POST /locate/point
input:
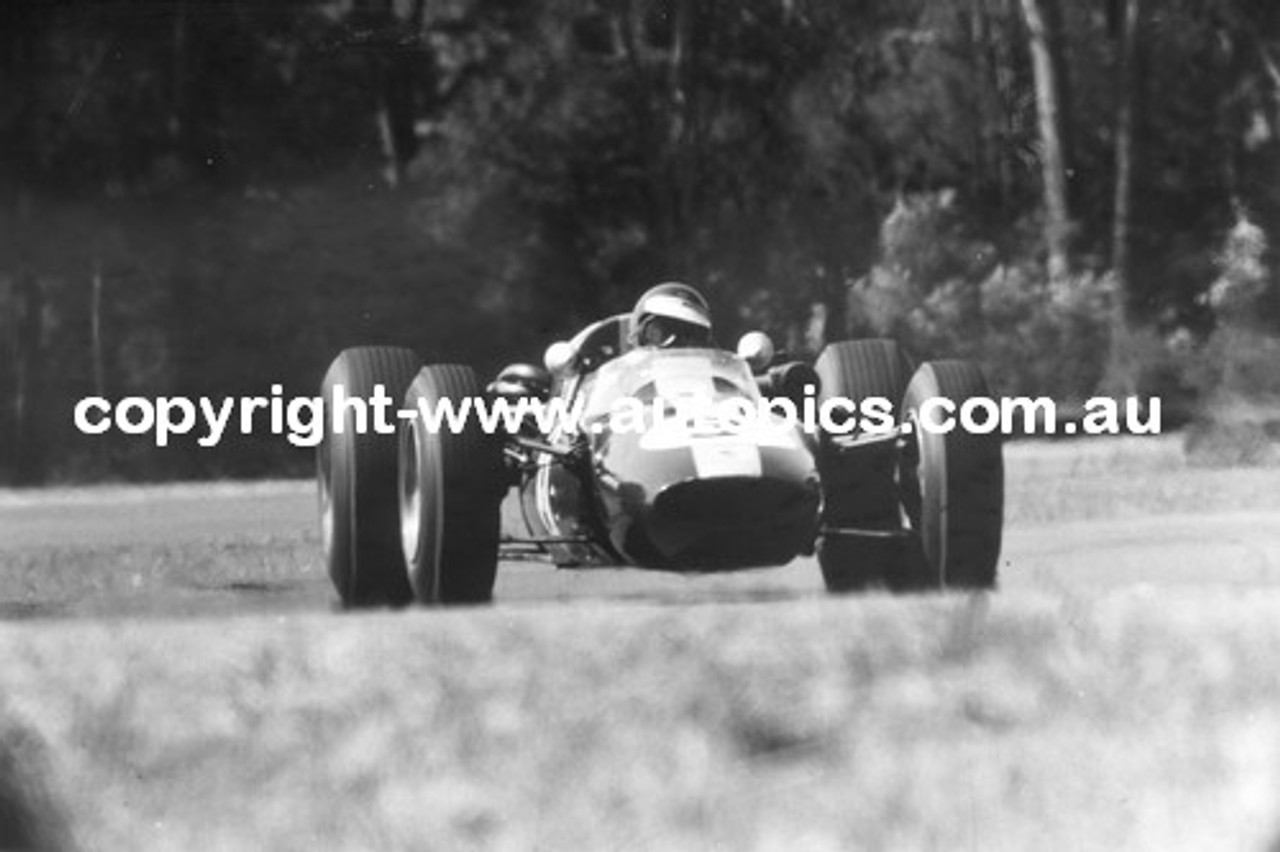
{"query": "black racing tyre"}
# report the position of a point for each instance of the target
(952, 483)
(356, 469)
(451, 486)
(859, 486)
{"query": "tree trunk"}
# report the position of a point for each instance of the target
(685, 144)
(1044, 26)
(977, 33)
(1126, 120)
(29, 438)
(1005, 84)
(1120, 376)
(656, 122)
(95, 331)
(398, 71)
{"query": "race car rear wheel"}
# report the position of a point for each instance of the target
(451, 485)
(859, 488)
(952, 483)
(356, 471)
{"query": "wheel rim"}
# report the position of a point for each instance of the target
(326, 502)
(910, 482)
(410, 495)
(923, 451)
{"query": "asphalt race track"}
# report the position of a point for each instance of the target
(1236, 549)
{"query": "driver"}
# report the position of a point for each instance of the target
(671, 315)
(668, 315)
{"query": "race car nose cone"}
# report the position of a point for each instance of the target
(724, 523)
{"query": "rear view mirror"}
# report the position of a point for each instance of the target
(558, 357)
(756, 349)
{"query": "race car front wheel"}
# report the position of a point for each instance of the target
(451, 484)
(951, 481)
(356, 470)
(858, 488)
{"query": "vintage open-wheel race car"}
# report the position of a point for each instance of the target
(415, 514)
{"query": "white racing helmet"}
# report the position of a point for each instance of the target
(671, 314)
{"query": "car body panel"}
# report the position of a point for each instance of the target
(666, 481)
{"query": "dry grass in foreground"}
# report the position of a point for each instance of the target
(872, 723)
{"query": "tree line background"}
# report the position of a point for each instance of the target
(204, 197)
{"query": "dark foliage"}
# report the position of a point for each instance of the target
(206, 197)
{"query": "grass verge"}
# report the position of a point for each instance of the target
(1138, 722)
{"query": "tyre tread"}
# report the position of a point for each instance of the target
(859, 490)
(365, 564)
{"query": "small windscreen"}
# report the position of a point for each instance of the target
(674, 375)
